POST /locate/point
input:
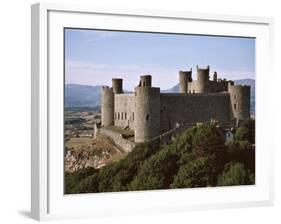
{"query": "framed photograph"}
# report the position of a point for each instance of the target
(148, 111)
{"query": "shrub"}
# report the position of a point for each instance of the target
(71, 180)
(88, 185)
(242, 134)
(235, 174)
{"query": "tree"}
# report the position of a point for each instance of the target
(241, 151)
(156, 172)
(246, 132)
(183, 143)
(235, 174)
(208, 141)
(200, 172)
(251, 124)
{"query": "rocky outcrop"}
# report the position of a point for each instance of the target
(75, 160)
(102, 152)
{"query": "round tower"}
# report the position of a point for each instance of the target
(184, 78)
(117, 86)
(145, 80)
(203, 79)
(240, 101)
(147, 109)
(107, 106)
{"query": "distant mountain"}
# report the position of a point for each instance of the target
(174, 89)
(82, 95)
(90, 96)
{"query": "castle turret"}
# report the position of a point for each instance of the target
(240, 101)
(145, 80)
(203, 79)
(184, 78)
(117, 86)
(215, 77)
(107, 106)
(147, 110)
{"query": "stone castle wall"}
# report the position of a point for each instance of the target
(213, 86)
(150, 113)
(117, 138)
(192, 108)
(170, 108)
(218, 86)
(192, 87)
(124, 110)
(167, 137)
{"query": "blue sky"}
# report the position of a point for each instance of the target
(93, 57)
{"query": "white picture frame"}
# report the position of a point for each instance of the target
(48, 201)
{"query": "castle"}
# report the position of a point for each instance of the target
(148, 112)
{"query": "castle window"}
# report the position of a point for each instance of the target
(125, 116)
(194, 91)
(147, 117)
(234, 106)
(133, 116)
(234, 96)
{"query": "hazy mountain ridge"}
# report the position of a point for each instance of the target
(90, 96)
(82, 95)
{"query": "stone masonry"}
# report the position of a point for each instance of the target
(149, 113)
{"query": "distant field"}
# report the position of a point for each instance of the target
(83, 109)
(79, 143)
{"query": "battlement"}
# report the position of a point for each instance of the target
(239, 87)
(195, 94)
(207, 68)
